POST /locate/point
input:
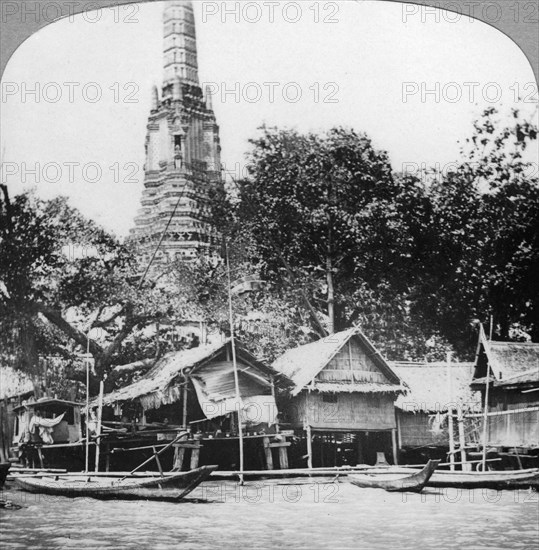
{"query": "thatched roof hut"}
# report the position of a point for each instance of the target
(208, 368)
(365, 371)
(513, 396)
(509, 363)
(432, 387)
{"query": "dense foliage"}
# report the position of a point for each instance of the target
(415, 260)
(337, 237)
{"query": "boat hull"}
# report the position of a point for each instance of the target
(171, 488)
(468, 481)
(397, 483)
(4, 469)
(498, 480)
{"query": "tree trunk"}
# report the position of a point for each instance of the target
(31, 359)
(331, 295)
(329, 279)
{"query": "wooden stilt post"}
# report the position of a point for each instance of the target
(399, 433)
(184, 411)
(195, 455)
(267, 451)
(394, 445)
(179, 453)
(107, 462)
(40, 455)
(283, 455)
(309, 447)
(360, 459)
(462, 440)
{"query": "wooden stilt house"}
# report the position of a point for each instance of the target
(510, 370)
(341, 401)
(194, 390)
(423, 424)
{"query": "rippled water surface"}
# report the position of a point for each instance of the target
(276, 515)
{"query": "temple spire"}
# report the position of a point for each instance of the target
(180, 49)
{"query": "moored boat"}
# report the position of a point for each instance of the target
(170, 488)
(396, 482)
(4, 469)
(501, 479)
(514, 479)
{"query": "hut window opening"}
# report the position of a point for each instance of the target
(329, 398)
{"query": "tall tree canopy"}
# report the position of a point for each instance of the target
(332, 221)
(482, 253)
(65, 285)
(414, 260)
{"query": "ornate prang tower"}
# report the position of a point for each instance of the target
(182, 151)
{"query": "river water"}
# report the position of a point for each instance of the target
(298, 514)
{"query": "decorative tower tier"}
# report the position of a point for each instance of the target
(183, 160)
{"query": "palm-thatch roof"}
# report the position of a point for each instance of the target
(302, 365)
(162, 384)
(528, 377)
(432, 387)
(514, 362)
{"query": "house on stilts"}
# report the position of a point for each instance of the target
(194, 390)
(507, 375)
(341, 401)
(423, 423)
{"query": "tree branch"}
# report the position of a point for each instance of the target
(108, 320)
(79, 337)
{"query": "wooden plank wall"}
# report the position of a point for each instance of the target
(351, 411)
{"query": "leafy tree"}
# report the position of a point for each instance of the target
(481, 254)
(326, 204)
(62, 277)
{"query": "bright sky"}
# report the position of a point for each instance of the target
(363, 62)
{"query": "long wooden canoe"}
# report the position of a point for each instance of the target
(502, 479)
(171, 488)
(397, 482)
(4, 469)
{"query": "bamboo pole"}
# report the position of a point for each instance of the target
(502, 413)
(86, 450)
(98, 431)
(485, 412)
(234, 362)
(450, 427)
